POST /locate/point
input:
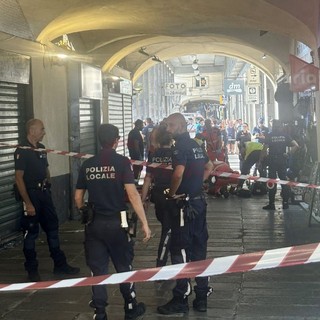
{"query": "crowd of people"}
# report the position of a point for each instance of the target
(180, 206)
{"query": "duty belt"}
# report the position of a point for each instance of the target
(201, 196)
(43, 186)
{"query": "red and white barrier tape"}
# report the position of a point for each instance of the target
(267, 180)
(275, 258)
(164, 166)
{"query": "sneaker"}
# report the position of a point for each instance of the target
(138, 310)
(200, 305)
(66, 270)
(175, 305)
(285, 205)
(269, 207)
(34, 276)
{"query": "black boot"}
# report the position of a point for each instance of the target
(133, 310)
(175, 305)
(200, 302)
(285, 205)
(269, 206)
(100, 314)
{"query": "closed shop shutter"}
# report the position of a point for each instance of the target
(120, 115)
(11, 126)
(88, 127)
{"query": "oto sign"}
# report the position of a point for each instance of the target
(172, 89)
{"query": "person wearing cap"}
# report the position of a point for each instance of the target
(277, 142)
(107, 177)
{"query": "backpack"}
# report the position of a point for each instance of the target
(259, 188)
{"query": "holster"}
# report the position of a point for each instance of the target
(87, 214)
(189, 213)
(132, 219)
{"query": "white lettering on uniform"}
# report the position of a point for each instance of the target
(100, 173)
(162, 159)
(198, 153)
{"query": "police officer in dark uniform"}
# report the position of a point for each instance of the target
(33, 183)
(189, 236)
(159, 179)
(277, 142)
(106, 177)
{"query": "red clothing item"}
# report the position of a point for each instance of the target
(212, 137)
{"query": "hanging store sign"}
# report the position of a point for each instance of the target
(253, 76)
(252, 94)
(172, 89)
(233, 87)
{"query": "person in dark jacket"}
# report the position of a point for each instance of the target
(277, 141)
(135, 147)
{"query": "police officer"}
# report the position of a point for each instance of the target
(278, 141)
(33, 182)
(106, 177)
(189, 235)
(159, 179)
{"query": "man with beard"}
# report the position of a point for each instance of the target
(189, 233)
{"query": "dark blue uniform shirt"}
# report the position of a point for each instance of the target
(162, 177)
(104, 176)
(188, 153)
(33, 163)
(278, 143)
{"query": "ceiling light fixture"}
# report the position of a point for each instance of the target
(142, 51)
(155, 58)
(264, 56)
(196, 72)
(195, 64)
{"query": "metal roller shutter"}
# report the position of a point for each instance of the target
(11, 124)
(120, 115)
(88, 128)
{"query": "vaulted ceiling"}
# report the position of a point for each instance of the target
(110, 33)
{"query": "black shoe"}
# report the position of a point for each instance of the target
(66, 270)
(200, 305)
(100, 315)
(269, 207)
(285, 205)
(175, 305)
(137, 311)
(34, 276)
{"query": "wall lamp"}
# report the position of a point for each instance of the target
(155, 58)
(142, 51)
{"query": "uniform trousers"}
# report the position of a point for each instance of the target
(105, 239)
(47, 218)
(164, 211)
(278, 166)
(189, 243)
